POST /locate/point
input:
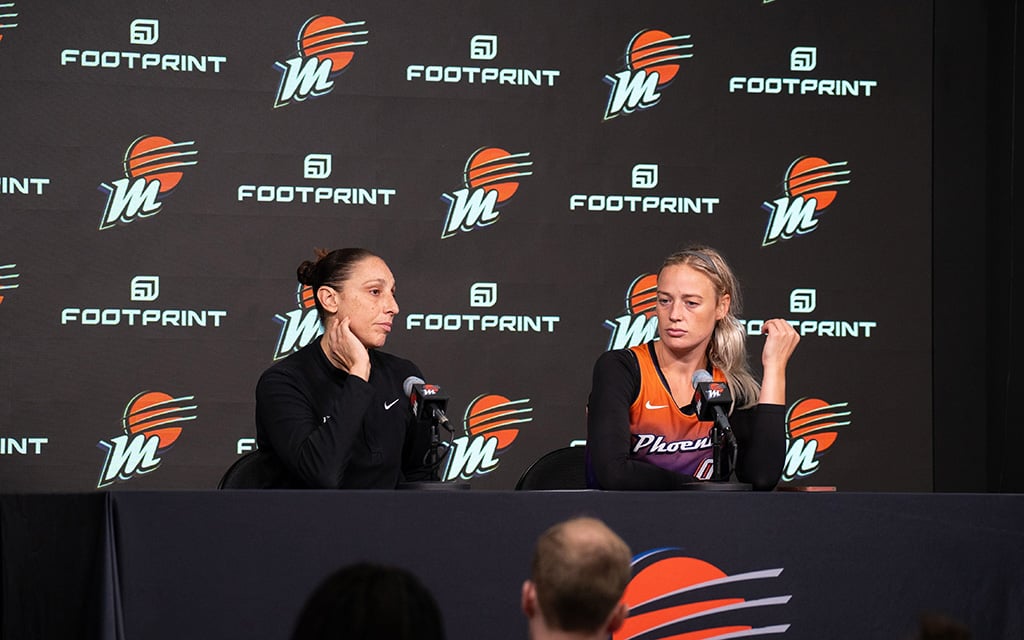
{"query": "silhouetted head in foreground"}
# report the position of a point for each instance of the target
(370, 602)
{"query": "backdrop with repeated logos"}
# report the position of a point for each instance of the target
(521, 166)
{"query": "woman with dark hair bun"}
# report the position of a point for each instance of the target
(642, 431)
(333, 413)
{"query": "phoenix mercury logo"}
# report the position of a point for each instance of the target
(325, 47)
(652, 62)
(300, 326)
(8, 279)
(640, 322)
(491, 177)
(8, 17)
(153, 168)
(809, 188)
(812, 428)
(152, 423)
(490, 426)
(682, 597)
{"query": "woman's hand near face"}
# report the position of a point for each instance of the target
(779, 345)
(345, 350)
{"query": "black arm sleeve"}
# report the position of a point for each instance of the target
(314, 450)
(761, 439)
(615, 386)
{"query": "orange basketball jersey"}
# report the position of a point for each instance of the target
(661, 433)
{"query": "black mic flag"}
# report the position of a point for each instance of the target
(428, 403)
(709, 394)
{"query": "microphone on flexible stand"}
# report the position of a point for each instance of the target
(710, 397)
(428, 405)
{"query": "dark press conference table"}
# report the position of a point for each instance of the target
(239, 564)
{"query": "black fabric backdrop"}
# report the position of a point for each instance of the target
(65, 384)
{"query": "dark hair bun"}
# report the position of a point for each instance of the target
(305, 272)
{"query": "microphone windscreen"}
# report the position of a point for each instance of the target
(409, 382)
(701, 375)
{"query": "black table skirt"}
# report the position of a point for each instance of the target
(239, 564)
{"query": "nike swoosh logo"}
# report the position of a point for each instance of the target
(388, 405)
(655, 406)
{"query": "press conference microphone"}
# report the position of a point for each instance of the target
(427, 400)
(428, 405)
(709, 396)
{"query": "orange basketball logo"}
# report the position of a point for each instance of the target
(817, 178)
(8, 279)
(9, 17)
(158, 414)
(493, 416)
(157, 158)
(305, 297)
(653, 50)
(642, 296)
(329, 38)
(814, 419)
(495, 169)
(665, 596)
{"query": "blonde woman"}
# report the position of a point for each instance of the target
(642, 433)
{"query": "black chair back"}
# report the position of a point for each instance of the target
(563, 468)
(255, 470)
